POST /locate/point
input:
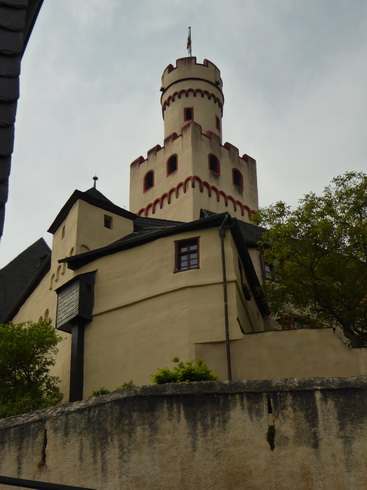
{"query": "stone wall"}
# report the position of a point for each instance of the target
(282, 434)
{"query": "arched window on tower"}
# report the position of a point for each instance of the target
(148, 180)
(237, 179)
(214, 165)
(171, 164)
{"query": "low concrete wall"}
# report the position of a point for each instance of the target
(280, 434)
(307, 353)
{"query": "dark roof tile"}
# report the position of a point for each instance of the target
(142, 223)
(251, 234)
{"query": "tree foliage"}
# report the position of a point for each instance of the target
(318, 252)
(184, 372)
(27, 351)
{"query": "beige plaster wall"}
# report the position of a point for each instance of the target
(83, 227)
(145, 313)
(139, 326)
(83, 230)
(281, 434)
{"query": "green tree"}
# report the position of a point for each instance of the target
(318, 252)
(184, 372)
(27, 351)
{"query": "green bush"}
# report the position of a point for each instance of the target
(101, 391)
(128, 384)
(104, 391)
(184, 372)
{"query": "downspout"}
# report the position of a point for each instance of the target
(222, 234)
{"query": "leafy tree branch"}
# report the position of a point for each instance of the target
(319, 256)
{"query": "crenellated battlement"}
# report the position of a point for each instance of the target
(188, 67)
(232, 150)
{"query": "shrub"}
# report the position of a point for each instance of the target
(104, 391)
(184, 372)
(127, 384)
(101, 391)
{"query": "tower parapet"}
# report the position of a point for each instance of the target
(192, 92)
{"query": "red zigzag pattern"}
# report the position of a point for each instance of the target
(211, 189)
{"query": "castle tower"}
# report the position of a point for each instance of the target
(193, 170)
(192, 92)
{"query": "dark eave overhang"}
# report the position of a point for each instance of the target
(33, 8)
(250, 272)
(77, 261)
(17, 19)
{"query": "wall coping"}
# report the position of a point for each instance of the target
(192, 389)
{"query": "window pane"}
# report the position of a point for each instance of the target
(187, 254)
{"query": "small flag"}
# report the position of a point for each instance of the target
(188, 45)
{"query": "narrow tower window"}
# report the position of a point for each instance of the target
(148, 180)
(188, 114)
(214, 165)
(108, 221)
(217, 122)
(237, 179)
(171, 164)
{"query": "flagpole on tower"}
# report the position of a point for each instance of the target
(188, 45)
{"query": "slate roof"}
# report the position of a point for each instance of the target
(142, 223)
(251, 234)
(17, 19)
(21, 275)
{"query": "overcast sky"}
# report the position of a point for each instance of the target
(294, 79)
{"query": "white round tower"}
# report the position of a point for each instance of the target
(192, 92)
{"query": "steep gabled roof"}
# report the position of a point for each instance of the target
(20, 276)
(91, 196)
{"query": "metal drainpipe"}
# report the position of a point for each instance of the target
(222, 234)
